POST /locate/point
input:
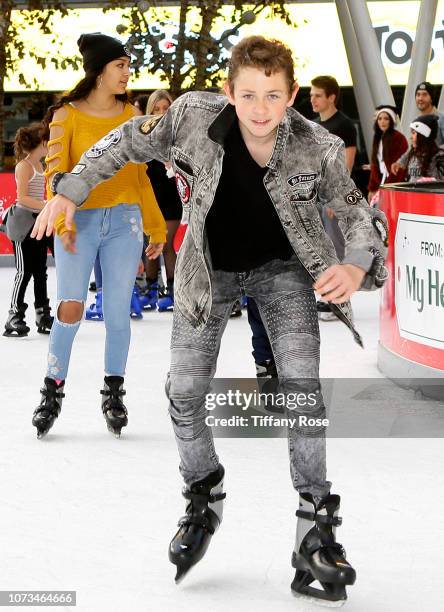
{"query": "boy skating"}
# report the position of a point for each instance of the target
(250, 160)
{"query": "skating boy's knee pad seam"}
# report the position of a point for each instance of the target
(290, 296)
(296, 332)
(192, 350)
(63, 323)
(296, 352)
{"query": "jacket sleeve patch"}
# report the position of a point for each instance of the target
(297, 179)
(78, 169)
(353, 197)
(103, 144)
(378, 270)
(382, 229)
(147, 126)
(183, 188)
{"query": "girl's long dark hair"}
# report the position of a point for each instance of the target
(386, 139)
(81, 90)
(426, 149)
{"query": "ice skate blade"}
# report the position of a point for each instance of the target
(7, 334)
(43, 331)
(182, 571)
(328, 594)
(116, 432)
(325, 603)
(41, 433)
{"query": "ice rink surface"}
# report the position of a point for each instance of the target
(81, 510)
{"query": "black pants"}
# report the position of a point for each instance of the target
(30, 261)
(261, 344)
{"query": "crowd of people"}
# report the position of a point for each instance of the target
(391, 161)
(273, 215)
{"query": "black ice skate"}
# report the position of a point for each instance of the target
(203, 516)
(16, 324)
(317, 555)
(43, 319)
(50, 406)
(114, 410)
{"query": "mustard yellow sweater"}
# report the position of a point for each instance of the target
(129, 185)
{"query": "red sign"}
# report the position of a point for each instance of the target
(411, 297)
(7, 197)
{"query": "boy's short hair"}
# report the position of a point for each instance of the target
(329, 84)
(265, 54)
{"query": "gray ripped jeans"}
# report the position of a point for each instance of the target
(283, 293)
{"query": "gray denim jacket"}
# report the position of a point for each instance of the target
(306, 171)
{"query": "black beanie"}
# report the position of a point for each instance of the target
(427, 125)
(426, 86)
(98, 49)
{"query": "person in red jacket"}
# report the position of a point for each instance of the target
(388, 146)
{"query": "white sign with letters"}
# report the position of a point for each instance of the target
(419, 278)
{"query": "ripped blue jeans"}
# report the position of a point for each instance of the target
(116, 234)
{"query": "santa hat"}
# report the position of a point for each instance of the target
(390, 110)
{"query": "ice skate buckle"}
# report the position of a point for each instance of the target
(199, 501)
(47, 393)
(116, 394)
(336, 521)
(203, 497)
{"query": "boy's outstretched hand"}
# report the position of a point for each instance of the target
(339, 282)
(47, 217)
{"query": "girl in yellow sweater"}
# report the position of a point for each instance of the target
(110, 223)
